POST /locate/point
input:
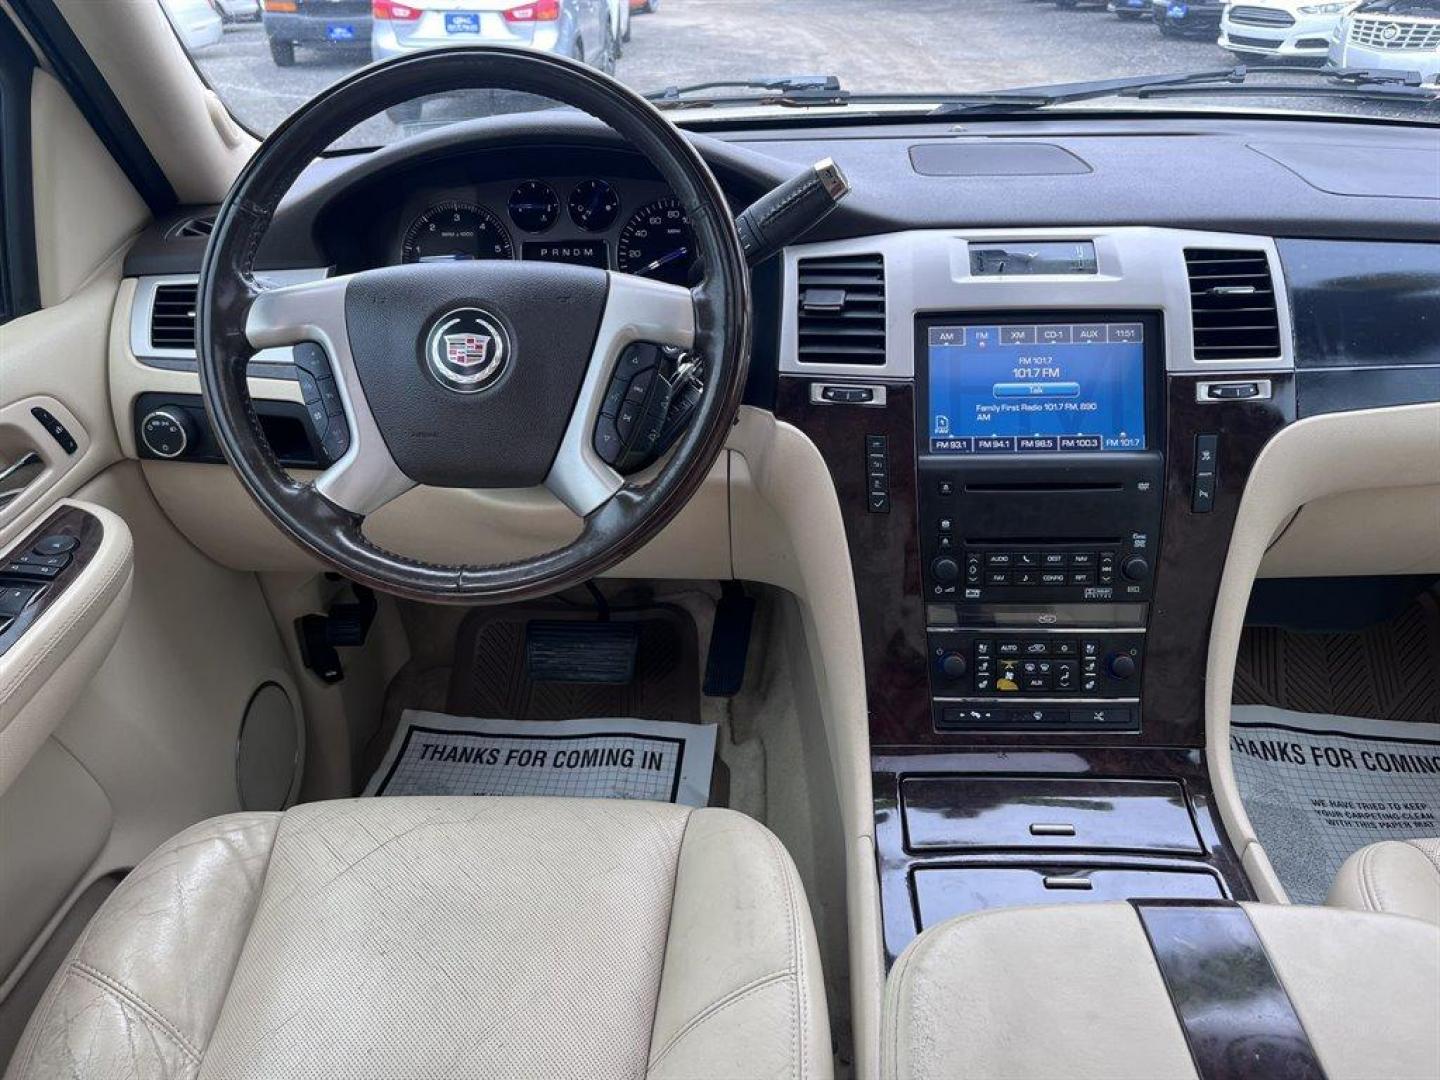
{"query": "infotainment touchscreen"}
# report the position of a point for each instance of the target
(1017, 388)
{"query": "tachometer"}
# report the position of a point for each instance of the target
(456, 231)
(657, 243)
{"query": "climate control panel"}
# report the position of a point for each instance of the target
(987, 678)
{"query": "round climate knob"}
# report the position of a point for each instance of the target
(168, 432)
(945, 570)
(953, 665)
(1134, 568)
(1122, 665)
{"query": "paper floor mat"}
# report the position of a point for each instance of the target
(435, 754)
(1318, 787)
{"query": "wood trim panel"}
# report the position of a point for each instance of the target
(67, 521)
(896, 864)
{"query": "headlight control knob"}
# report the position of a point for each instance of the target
(168, 432)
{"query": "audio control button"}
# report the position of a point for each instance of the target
(1135, 568)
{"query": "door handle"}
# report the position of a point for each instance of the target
(10, 471)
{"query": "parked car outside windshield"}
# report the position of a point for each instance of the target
(1393, 35)
(709, 58)
(1281, 29)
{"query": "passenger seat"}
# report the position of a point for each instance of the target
(1399, 877)
(1164, 989)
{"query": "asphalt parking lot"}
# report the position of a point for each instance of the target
(874, 45)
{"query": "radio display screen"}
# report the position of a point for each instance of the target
(1036, 388)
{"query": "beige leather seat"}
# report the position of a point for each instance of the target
(1079, 991)
(1400, 877)
(448, 938)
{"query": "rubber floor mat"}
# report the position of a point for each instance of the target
(1385, 672)
(491, 676)
(1319, 788)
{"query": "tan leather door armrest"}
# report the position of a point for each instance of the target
(45, 670)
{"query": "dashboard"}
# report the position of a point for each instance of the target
(1039, 397)
(613, 214)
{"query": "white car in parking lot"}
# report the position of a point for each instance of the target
(1283, 29)
(196, 23)
(1396, 35)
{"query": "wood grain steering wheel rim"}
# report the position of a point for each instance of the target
(390, 441)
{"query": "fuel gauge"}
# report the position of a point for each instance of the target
(534, 206)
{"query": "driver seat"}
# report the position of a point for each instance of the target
(446, 937)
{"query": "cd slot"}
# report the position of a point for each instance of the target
(1030, 541)
(1043, 487)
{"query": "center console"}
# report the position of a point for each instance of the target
(1040, 489)
(1039, 473)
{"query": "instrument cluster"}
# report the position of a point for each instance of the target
(635, 226)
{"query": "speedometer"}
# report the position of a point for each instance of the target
(452, 231)
(657, 243)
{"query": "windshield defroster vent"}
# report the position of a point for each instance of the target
(1232, 304)
(172, 317)
(842, 310)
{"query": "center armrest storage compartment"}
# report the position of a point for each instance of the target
(964, 813)
(944, 892)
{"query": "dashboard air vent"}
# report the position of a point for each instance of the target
(172, 318)
(193, 227)
(1232, 304)
(842, 310)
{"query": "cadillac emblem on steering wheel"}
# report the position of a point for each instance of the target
(467, 350)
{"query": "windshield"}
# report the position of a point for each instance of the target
(266, 57)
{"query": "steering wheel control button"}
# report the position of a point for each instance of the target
(336, 440)
(168, 433)
(467, 350)
(648, 402)
(608, 443)
(322, 400)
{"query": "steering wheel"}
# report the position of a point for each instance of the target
(487, 374)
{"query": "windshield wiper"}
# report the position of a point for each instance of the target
(782, 90)
(803, 91)
(1351, 82)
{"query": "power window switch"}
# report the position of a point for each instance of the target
(34, 571)
(16, 598)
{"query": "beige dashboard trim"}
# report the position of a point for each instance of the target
(129, 378)
(1394, 449)
(787, 530)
